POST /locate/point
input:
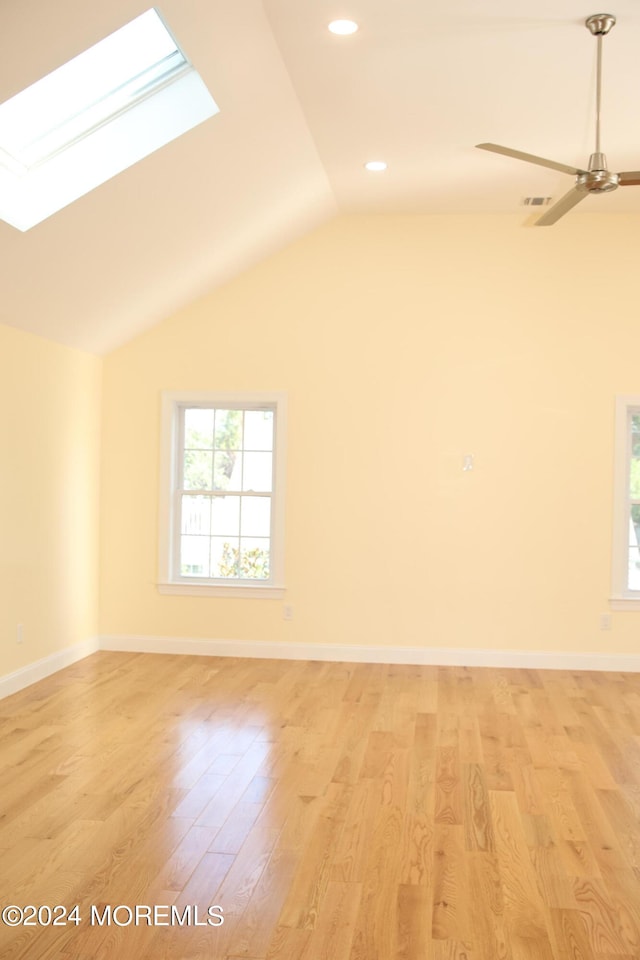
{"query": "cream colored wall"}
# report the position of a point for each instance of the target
(49, 487)
(404, 343)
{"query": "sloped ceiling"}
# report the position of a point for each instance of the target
(301, 111)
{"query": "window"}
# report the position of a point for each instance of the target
(626, 539)
(119, 101)
(222, 494)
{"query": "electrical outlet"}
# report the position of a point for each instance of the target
(287, 612)
(605, 621)
(20, 633)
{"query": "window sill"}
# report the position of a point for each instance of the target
(257, 592)
(624, 603)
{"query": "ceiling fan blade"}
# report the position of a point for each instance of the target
(630, 179)
(530, 158)
(563, 206)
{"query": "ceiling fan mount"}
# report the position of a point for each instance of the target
(596, 178)
(600, 24)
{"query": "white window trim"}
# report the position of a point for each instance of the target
(172, 400)
(622, 598)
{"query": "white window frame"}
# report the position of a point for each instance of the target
(622, 597)
(169, 580)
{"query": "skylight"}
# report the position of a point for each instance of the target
(93, 117)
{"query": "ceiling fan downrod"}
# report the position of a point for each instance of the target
(599, 24)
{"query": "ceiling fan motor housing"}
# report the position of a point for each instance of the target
(598, 179)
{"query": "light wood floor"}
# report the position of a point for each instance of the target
(334, 811)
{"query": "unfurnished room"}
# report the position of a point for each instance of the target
(320, 486)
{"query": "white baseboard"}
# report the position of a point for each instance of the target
(427, 656)
(25, 676)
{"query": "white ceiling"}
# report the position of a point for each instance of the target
(301, 111)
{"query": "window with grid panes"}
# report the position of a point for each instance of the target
(225, 501)
(626, 540)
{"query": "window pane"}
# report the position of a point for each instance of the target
(257, 472)
(227, 470)
(256, 517)
(194, 556)
(228, 429)
(198, 429)
(634, 478)
(258, 430)
(635, 435)
(225, 555)
(198, 470)
(254, 558)
(226, 516)
(196, 515)
(633, 580)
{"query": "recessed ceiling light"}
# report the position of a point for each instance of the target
(343, 27)
(375, 165)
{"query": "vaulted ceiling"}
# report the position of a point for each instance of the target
(300, 112)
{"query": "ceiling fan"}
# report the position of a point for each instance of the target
(596, 178)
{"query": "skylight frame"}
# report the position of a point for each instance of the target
(43, 171)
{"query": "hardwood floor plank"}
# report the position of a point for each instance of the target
(233, 832)
(176, 871)
(560, 804)
(312, 877)
(486, 893)
(528, 789)
(422, 751)
(450, 917)
(416, 862)
(376, 925)
(607, 929)
(333, 934)
(478, 826)
(554, 883)
(287, 943)
(569, 934)
(453, 950)
(414, 922)
(525, 914)
(579, 858)
(253, 934)
(200, 795)
(448, 791)
(353, 845)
